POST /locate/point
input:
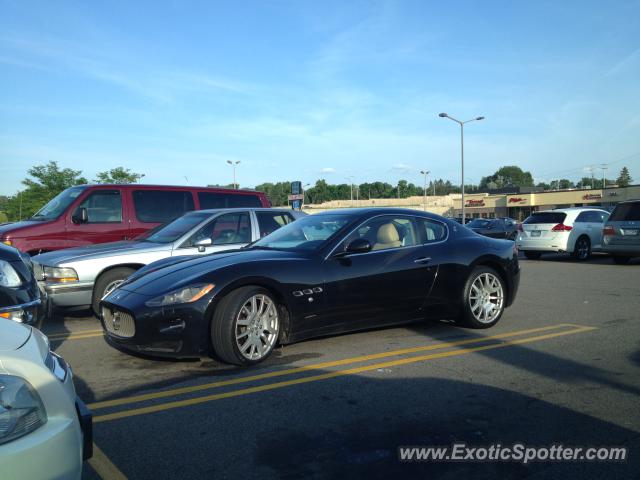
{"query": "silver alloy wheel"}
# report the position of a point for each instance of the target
(111, 287)
(486, 297)
(257, 327)
(583, 249)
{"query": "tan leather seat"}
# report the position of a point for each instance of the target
(387, 237)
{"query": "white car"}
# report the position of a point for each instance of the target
(45, 429)
(577, 231)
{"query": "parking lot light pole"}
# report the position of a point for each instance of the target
(461, 123)
(424, 190)
(234, 165)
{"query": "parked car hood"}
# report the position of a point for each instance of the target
(129, 247)
(186, 270)
(15, 227)
(13, 335)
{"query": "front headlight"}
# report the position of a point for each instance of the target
(21, 410)
(8, 275)
(183, 295)
(60, 274)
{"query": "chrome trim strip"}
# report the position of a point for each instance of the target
(67, 287)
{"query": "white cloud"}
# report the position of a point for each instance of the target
(325, 170)
(403, 167)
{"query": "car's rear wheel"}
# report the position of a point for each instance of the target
(582, 249)
(621, 260)
(106, 283)
(484, 298)
(532, 255)
(245, 326)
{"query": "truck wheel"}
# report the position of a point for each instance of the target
(107, 282)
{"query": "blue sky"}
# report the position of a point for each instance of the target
(308, 89)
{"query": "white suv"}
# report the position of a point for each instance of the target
(577, 231)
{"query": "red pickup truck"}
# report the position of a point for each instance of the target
(89, 214)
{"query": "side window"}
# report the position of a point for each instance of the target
(223, 230)
(161, 206)
(433, 231)
(104, 206)
(600, 217)
(387, 232)
(228, 200)
(269, 222)
(583, 217)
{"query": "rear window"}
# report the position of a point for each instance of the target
(228, 200)
(546, 217)
(161, 206)
(626, 212)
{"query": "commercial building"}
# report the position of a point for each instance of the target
(520, 205)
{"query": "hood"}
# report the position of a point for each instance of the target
(15, 229)
(13, 335)
(191, 269)
(60, 257)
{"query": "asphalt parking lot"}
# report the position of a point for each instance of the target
(561, 367)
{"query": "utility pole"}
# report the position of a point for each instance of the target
(604, 167)
(351, 185)
(424, 191)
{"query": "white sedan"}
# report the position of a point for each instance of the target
(45, 430)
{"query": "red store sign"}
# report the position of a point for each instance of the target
(474, 203)
(592, 196)
(517, 200)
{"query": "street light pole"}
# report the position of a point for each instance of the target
(424, 190)
(461, 123)
(351, 185)
(234, 164)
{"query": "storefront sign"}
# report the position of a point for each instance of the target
(517, 200)
(592, 196)
(474, 203)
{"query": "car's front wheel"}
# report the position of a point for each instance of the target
(106, 283)
(245, 326)
(484, 298)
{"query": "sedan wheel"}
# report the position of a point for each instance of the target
(246, 326)
(257, 326)
(484, 298)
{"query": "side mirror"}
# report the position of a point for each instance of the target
(359, 245)
(80, 215)
(202, 244)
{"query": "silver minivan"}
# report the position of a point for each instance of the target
(621, 233)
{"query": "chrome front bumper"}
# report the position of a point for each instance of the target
(70, 294)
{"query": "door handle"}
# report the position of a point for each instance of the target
(422, 260)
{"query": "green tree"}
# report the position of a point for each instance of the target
(624, 179)
(118, 175)
(47, 181)
(510, 175)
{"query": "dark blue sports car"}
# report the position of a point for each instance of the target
(327, 273)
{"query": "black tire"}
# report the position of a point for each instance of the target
(531, 255)
(104, 281)
(467, 317)
(621, 260)
(582, 249)
(223, 326)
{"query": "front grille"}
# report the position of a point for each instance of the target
(119, 323)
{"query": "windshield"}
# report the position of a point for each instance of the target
(55, 207)
(478, 223)
(307, 233)
(176, 229)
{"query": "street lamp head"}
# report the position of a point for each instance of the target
(443, 115)
(229, 162)
(480, 118)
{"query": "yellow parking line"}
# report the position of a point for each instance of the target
(329, 375)
(104, 467)
(318, 366)
(75, 335)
